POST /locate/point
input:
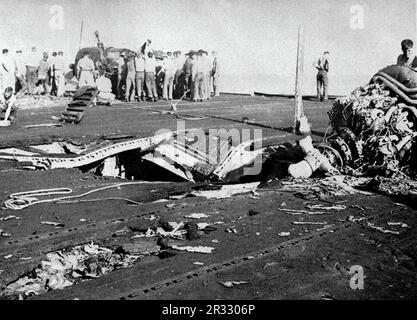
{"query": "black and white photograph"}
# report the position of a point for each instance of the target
(226, 151)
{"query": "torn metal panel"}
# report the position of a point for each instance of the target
(93, 156)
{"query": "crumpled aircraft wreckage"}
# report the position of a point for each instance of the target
(374, 133)
(172, 155)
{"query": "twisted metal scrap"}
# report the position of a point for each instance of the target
(373, 128)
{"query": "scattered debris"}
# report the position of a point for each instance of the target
(253, 213)
(9, 218)
(231, 230)
(67, 267)
(309, 223)
(270, 264)
(54, 224)
(300, 212)
(151, 218)
(326, 227)
(226, 191)
(401, 224)
(230, 284)
(26, 258)
(4, 234)
(215, 241)
(197, 216)
(8, 256)
(199, 249)
(353, 219)
(198, 263)
(284, 234)
(141, 247)
(332, 208)
(381, 229)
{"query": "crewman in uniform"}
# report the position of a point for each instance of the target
(140, 75)
(322, 66)
(59, 72)
(130, 77)
(20, 73)
(85, 72)
(215, 74)
(150, 70)
(198, 79)
(169, 69)
(187, 72)
(8, 69)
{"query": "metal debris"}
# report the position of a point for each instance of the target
(381, 229)
(197, 216)
(284, 234)
(10, 218)
(300, 212)
(199, 249)
(230, 284)
(401, 224)
(309, 223)
(67, 267)
(331, 208)
(54, 224)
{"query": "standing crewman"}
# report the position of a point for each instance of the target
(140, 75)
(150, 70)
(215, 74)
(198, 79)
(44, 71)
(322, 66)
(169, 69)
(130, 76)
(8, 69)
(85, 71)
(20, 73)
(407, 58)
(32, 64)
(207, 68)
(187, 73)
(52, 64)
(59, 74)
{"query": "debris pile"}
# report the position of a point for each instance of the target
(66, 268)
(374, 133)
(40, 101)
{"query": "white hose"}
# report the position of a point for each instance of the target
(21, 200)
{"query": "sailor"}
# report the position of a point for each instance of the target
(52, 64)
(150, 70)
(44, 70)
(407, 58)
(8, 100)
(322, 65)
(169, 70)
(59, 74)
(215, 74)
(20, 73)
(130, 77)
(198, 79)
(85, 71)
(187, 72)
(140, 75)
(207, 67)
(104, 87)
(32, 63)
(8, 69)
(179, 74)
